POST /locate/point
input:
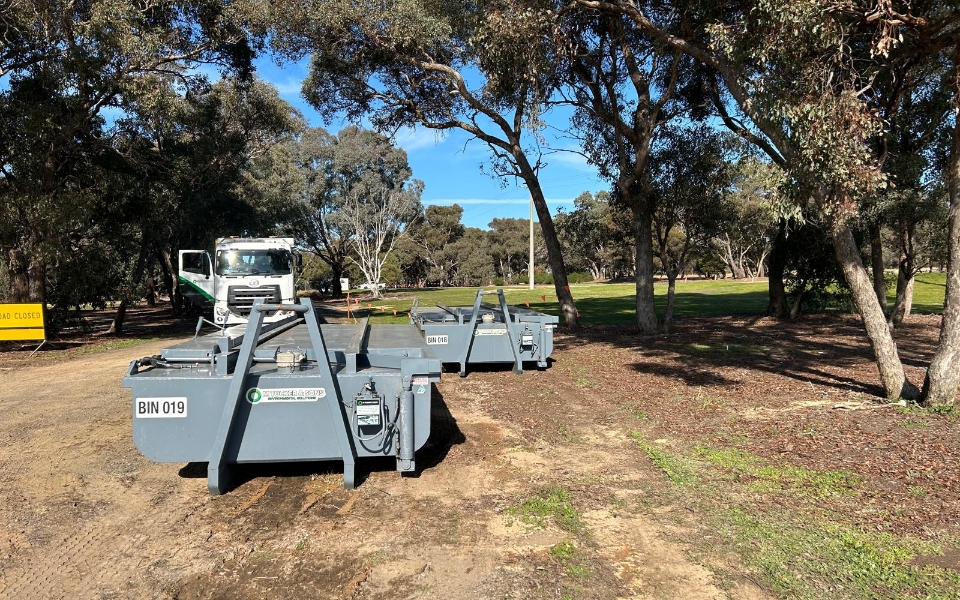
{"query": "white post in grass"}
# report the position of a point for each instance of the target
(531, 271)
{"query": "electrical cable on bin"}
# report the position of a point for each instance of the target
(156, 361)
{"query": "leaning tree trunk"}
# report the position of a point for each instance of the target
(876, 260)
(778, 306)
(943, 374)
(895, 383)
(176, 300)
(571, 317)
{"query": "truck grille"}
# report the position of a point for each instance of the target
(240, 298)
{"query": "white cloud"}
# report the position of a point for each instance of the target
(411, 139)
(570, 159)
(288, 87)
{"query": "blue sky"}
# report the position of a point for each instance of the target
(450, 166)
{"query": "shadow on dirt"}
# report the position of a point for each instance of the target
(813, 350)
(444, 434)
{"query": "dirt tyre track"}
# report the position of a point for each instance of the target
(88, 517)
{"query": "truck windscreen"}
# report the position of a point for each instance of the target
(254, 262)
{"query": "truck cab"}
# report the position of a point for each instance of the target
(241, 271)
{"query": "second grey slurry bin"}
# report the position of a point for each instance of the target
(486, 333)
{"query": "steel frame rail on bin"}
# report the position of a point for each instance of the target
(288, 391)
(218, 470)
(511, 333)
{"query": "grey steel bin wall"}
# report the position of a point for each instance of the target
(240, 406)
(271, 432)
(460, 335)
(486, 348)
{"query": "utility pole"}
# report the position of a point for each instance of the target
(531, 271)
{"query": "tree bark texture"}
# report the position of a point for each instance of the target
(904, 298)
(778, 306)
(37, 273)
(176, 300)
(876, 260)
(943, 374)
(19, 280)
(568, 308)
(671, 298)
(646, 309)
(894, 380)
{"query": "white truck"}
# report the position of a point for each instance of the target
(242, 270)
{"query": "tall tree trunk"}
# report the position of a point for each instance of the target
(176, 300)
(943, 374)
(37, 273)
(797, 300)
(736, 267)
(671, 299)
(646, 309)
(166, 275)
(116, 327)
(762, 263)
(876, 260)
(335, 288)
(778, 306)
(19, 277)
(568, 308)
(894, 380)
(151, 291)
(904, 299)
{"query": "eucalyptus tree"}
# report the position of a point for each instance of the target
(435, 237)
(62, 63)
(301, 172)
(689, 177)
(914, 99)
(624, 87)
(486, 69)
(797, 72)
(192, 155)
(750, 204)
(588, 233)
(475, 262)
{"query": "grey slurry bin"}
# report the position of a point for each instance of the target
(486, 333)
(294, 390)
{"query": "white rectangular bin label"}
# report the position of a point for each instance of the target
(160, 408)
(438, 340)
(257, 395)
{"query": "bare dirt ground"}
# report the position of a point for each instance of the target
(85, 516)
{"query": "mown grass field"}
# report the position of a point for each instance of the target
(615, 302)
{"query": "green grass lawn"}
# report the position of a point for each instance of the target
(928, 291)
(615, 302)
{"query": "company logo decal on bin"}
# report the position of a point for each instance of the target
(257, 395)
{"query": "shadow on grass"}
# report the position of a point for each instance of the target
(622, 309)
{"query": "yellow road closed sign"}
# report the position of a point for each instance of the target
(21, 322)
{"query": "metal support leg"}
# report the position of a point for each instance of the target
(465, 353)
(218, 471)
(334, 408)
(513, 337)
(541, 360)
(405, 460)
